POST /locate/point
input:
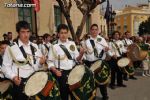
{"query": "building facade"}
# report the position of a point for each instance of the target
(130, 18)
(44, 21)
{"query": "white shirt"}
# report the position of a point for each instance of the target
(9, 67)
(113, 49)
(127, 42)
(1, 73)
(100, 44)
(44, 49)
(65, 63)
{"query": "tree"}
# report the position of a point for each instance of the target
(144, 27)
(85, 6)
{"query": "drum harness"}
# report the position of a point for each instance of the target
(96, 53)
(67, 54)
(117, 47)
(27, 59)
(95, 50)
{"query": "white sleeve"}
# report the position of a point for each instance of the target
(104, 42)
(51, 57)
(110, 51)
(38, 53)
(123, 48)
(7, 65)
(76, 53)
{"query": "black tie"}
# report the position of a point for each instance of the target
(95, 50)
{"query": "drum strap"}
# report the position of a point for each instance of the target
(95, 50)
(125, 42)
(24, 53)
(46, 47)
(66, 52)
(33, 53)
(117, 48)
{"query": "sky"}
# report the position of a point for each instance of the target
(119, 4)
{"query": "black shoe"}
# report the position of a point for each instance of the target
(126, 79)
(121, 85)
(112, 86)
(133, 78)
(105, 98)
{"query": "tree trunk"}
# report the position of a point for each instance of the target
(67, 16)
(80, 27)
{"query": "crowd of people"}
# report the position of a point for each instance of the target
(107, 61)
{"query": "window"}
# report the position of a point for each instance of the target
(25, 13)
(125, 28)
(57, 15)
(88, 23)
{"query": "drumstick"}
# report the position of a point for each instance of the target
(18, 72)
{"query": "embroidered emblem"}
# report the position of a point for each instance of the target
(72, 47)
(99, 39)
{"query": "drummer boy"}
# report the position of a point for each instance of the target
(63, 56)
(17, 65)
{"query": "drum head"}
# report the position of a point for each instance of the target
(4, 85)
(96, 65)
(133, 52)
(76, 74)
(123, 62)
(36, 83)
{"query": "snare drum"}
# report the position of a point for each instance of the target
(101, 72)
(81, 83)
(124, 65)
(6, 89)
(123, 62)
(43, 85)
(133, 52)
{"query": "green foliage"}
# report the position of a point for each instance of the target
(144, 27)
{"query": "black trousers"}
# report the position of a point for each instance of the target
(64, 87)
(115, 70)
(103, 88)
(18, 91)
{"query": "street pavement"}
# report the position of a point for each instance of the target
(136, 89)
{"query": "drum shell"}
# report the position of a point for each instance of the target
(51, 92)
(103, 76)
(86, 87)
(133, 52)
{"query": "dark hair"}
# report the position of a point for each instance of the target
(126, 32)
(9, 33)
(93, 26)
(4, 35)
(115, 33)
(4, 42)
(22, 24)
(46, 35)
(62, 26)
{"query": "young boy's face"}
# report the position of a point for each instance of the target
(2, 48)
(24, 35)
(63, 35)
